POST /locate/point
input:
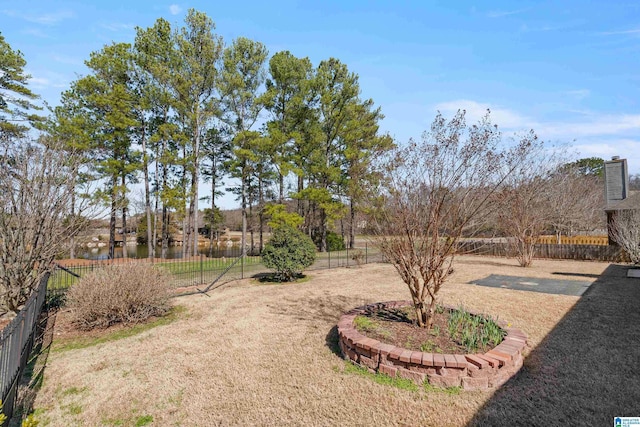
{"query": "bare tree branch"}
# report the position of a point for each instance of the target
(436, 192)
(35, 220)
(625, 231)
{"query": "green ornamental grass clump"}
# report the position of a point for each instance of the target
(288, 252)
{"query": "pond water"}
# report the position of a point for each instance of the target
(142, 251)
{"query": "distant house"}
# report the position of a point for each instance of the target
(617, 195)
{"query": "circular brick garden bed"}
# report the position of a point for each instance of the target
(480, 371)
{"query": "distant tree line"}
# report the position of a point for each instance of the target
(179, 107)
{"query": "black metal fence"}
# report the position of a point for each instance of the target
(184, 272)
(16, 342)
(203, 270)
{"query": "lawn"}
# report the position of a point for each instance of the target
(250, 354)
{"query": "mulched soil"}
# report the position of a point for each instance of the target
(398, 327)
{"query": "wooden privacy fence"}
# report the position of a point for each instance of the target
(16, 342)
(575, 240)
(607, 253)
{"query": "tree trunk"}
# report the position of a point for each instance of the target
(193, 215)
(72, 251)
(300, 201)
(147, 198)
(186, 235)
(165, 231)
(251, 230)
(194, 182)
(159, 193)
(124, 218)
(425, 312)
(323, 230)
(352, 236)
(244, 216)
(281, 186)
(112, 219)
(213, 205)
(260, 212)
(186, 226)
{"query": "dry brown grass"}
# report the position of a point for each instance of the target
(252, 354)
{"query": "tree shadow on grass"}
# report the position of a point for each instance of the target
(327, 309)
(331, 341)
(273, 279)
(586, 371)
(562, 273)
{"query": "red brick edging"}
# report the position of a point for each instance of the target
(469, 371)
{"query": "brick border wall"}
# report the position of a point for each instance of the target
(470, 371)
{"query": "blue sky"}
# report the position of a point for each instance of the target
(570, 70)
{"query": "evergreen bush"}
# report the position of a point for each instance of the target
(289, 252)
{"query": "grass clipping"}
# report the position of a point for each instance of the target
(127, 293)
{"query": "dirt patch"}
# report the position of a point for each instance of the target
(397, 327)
(66, 332)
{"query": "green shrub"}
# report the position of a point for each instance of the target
(127, 293)
(289, 252)
(335, 242)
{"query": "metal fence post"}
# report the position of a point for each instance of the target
(347, 256)
(201, 269)
(242, 265)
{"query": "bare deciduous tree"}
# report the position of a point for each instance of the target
(35, 222)
(545, 193)
(576, 202)
(624, 229)
(436, 192)
(524, 210)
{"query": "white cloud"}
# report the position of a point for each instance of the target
(117, 26)
(527, 29)
(622, 32)
(50, 18)
(624, 147)
(175, 9)
(591, 125)
(579, 94)
(65, 59)
(589, 132)
(597, 125)
(44, 19)
(39, 82)
(36, 32)
(503, 13)
(47, 80)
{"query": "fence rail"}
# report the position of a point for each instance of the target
(575, 240)
(578, 252)
(203, 270)
(16, 342)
